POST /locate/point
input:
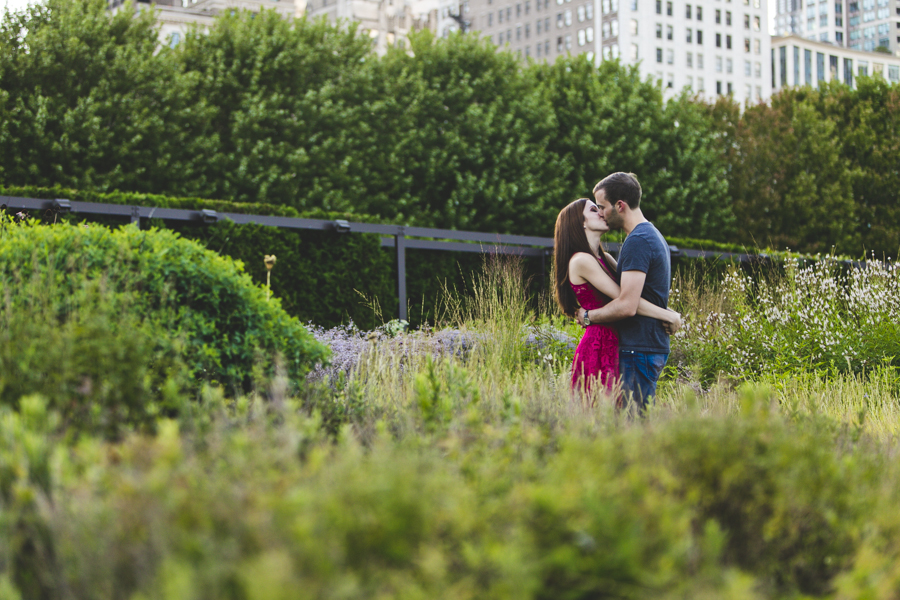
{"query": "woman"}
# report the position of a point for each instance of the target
(586, 276)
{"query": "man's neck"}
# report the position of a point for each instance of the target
(632, 219)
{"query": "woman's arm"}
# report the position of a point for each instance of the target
(584, 268)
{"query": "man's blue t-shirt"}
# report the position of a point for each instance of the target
(646, 250)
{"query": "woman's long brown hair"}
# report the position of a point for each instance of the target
(568, 238)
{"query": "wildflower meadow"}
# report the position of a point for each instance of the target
(449, 461)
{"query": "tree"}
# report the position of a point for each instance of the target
(291, 110)
(472, 139)
(86, 103)
(610, 120)
(790, 184)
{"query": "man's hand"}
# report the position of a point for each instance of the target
(579, 316)
(672, 326)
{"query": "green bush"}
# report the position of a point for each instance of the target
(163, 294)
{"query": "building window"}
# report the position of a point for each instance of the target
(518, 33)
(500, 16)
(746, 21)
(700, 87)
(614, 27)
(718, 40)
(559, 20)
(490, 19)
(719, 87)
(527, 30)
(747, 45)
(659, 7)
(537, 27)
(690, 82)
(689, 35)
(728, 42)
(559, 44)
(729, 68)
(669, 9)
(670, 57)
(589, 34)
(633, 28)
(670, 81)
(718, 64)
(756, 47)
(728, 17)
(568, 17)
(747, 68)
(699, 37)
(659, 30)
(718, 17)
(589, 11)
(687, 11)
(728, 87)
(757, 70)
(669, 32)
(699, 61)
(757, 24)
(807, 64)
(659, 55)
(634, 52)
(518, 10)
(690, 60)
(580, 14)
(699, 13)
(569, 42)
(527, 9)
(581, 37)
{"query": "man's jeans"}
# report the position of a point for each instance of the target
(640, 372)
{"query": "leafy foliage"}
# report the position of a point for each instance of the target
(201, 307)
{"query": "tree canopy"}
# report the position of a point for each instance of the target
(448, 132)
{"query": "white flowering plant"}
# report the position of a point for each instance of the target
(819, 315)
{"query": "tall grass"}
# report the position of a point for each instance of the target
(456, 463)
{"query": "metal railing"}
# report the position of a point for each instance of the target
(398, 237)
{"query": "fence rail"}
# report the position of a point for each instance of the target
(398, 237)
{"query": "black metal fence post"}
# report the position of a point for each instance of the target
(400, 244)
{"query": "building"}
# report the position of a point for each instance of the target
(387, 22)
(800, 61)
(856, 24)
(713, 47)
(176, 17)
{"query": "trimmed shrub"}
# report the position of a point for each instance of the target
(115, 303)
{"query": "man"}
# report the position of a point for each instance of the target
(645, 271)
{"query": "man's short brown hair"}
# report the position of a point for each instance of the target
(621, 186)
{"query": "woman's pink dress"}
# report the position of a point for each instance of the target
(597, 354)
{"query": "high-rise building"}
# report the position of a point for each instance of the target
(175, 17)
(387, 22)
(801, 61)
(713, 47)
(864, 25)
